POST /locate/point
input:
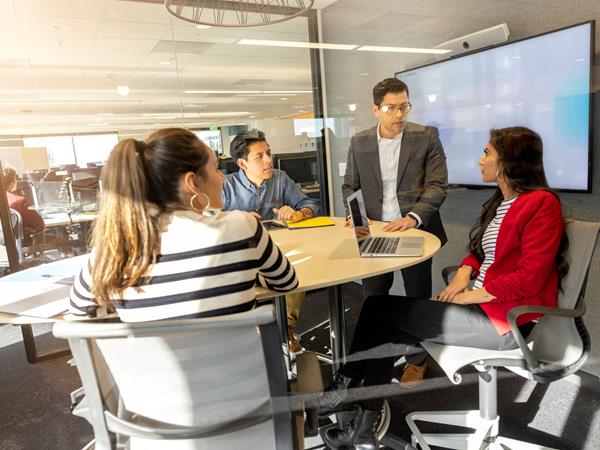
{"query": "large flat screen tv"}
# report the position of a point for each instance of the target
(542, 82)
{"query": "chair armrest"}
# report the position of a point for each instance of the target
(144, 427)
(514, 313)
(446, 271)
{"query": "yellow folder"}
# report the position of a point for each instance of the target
(311, 223)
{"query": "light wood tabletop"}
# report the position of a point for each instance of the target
(328, 256)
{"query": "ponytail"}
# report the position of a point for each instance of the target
(125, 236)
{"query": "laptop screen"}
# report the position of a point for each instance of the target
(358, 215)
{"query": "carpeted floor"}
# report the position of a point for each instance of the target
(34, 399)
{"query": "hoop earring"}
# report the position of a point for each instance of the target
(202, 209)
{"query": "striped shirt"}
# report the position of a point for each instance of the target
(488, 241)
(208, 266)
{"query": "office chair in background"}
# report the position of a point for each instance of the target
(17, 225)
(557, 346)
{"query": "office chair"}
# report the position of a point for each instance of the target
(557, 346)
(211, 383)
(17, 226)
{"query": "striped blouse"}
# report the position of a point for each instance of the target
(208, 266)
(488, 241)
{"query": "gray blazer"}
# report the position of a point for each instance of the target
(422, 175)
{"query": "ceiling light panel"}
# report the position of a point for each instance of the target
(427, 51)
(296, 44)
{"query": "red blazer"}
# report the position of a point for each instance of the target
(524, 271)
(32, 221)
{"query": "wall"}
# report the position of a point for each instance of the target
(350, 77)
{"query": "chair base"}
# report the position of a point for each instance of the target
(485, 435)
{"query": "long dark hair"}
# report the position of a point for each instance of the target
(126, 237)
(520, 158)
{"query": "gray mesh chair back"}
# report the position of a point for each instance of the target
(186, 384)
(561, 342)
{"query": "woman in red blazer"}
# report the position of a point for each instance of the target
(516, 257)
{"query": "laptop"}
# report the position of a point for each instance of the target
(369, 246)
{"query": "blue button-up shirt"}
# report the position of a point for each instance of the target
(277, 191)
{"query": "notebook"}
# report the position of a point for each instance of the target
(313, 222)
(369, 246)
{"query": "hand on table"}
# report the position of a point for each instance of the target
(288, 214)
(403, 224)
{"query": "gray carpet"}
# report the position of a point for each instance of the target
(34, 399)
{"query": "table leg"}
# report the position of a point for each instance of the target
(31, 350)
(281, 316)
(337, 326)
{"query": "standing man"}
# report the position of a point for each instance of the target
(267, 193)
(401, 168)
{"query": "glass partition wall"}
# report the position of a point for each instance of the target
(87, 79)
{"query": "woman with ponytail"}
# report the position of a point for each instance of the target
(516, 257)
(161, 247)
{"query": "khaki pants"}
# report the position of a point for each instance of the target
(293, 304)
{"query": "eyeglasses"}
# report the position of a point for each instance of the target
(392, 110)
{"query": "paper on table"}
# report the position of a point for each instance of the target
(311, 223)
(49, 301)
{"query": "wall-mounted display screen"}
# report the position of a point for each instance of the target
(542, 83)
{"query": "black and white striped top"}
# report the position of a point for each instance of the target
(208, 266)
(488, 241)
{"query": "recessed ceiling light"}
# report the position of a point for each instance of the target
(123, 90)
(203, 27)
(159, 115)
(376, 48)
(297, 44)
(352, 107)
(227, 92)
(283, 98)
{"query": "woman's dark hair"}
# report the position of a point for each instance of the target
(520, 161)
(126, 236)
(9, 176)
(239, 147)
(387, 86)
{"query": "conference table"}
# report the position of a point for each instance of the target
(324, 257)
(329, 257)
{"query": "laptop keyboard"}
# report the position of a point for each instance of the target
(382, 245)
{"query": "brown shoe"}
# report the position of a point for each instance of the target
(413, 375)
(294, 343)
